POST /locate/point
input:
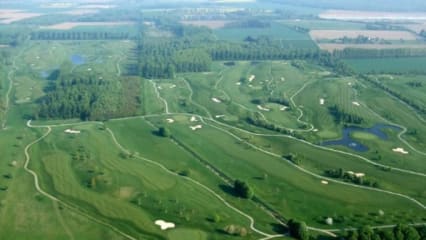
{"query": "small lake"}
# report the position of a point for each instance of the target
(77, 59)
(351, 143)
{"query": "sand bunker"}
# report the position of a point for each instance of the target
(251, 78)
(216, 100)
(193, 119)
(263, 109)
(70, 131)
(324, 182)
(283, 79)
(322, 101)
(219, 116)
(164, 225)
(400, 150)
(238, 83)
(358, 175)
(356, 104)
(315, 130)
(173, 86)
(283, 108)
(196, 127)
(170, 120)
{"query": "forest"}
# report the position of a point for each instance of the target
(88, 97)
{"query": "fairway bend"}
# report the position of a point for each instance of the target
(251, 219)
(53, 198)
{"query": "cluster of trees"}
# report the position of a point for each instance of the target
(399, 232)
(89, 97)
(242, 189)
(277, 100)
(396, 94)
(340, 116)
(260, 122)
(162, 59)
(78, 35)
(415, 84)
(350, 177)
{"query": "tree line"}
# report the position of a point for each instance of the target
(79, 35)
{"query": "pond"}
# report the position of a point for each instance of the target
(351, 143)
(77, 59)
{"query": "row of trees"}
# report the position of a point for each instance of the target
(379, 53)
(79, 35)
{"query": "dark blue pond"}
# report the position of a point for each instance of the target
(349, 142)
(77, 59)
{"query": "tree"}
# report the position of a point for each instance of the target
(242, 189)
(365, 233)
(164, 132)
(298, 229)
(410, 233)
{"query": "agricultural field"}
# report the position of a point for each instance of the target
(220, 120)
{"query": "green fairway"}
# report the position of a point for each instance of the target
(236, 127)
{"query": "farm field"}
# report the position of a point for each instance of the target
(288, 36)
(141, 120)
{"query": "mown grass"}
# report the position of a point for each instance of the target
(94, 178)
(285, 188)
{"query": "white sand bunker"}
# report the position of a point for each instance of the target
(70, 131)
(193, 119)
(356, 104)
(238, 83)
(216, 100)
(283, 108)
(173, 86)
(251, 78)
(282, 79)
(315, 130)
(324, 182)
(196, 127)
(400, 150)
(358, 175)
(164, 225)
(170, 120)
(322, 101)
(219, 116)
(263, 108)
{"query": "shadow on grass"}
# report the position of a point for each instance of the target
(228, 189)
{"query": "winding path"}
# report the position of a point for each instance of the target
(53, 198)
